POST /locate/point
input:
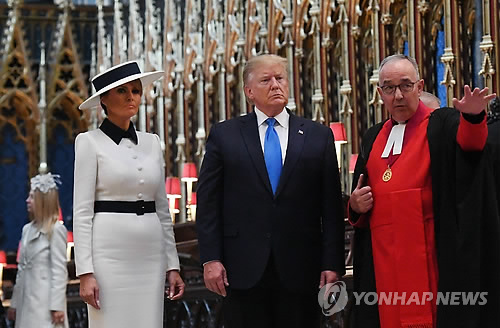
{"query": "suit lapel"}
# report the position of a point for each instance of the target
(250, 133)
(296, 136)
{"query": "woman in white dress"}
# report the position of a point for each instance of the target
(39, 297)
(124, 240)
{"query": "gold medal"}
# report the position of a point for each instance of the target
(387, 174)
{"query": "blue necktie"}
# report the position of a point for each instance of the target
(272, 154)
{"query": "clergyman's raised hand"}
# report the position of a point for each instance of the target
(473, 102)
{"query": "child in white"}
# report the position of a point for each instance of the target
(39, 298)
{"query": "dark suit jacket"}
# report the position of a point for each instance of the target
(241, 223)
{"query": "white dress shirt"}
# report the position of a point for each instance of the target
(281, 128)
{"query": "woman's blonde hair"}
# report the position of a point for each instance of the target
(46, 210)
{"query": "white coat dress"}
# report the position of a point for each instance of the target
(128, 254)
(41, 278)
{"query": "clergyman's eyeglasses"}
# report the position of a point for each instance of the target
(403, 87)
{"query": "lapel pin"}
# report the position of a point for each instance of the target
(301, 132)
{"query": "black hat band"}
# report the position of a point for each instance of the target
(116, 75)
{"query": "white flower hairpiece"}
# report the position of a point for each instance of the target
(45, 182)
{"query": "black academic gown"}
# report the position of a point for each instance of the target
(494, 148)
(467, 228)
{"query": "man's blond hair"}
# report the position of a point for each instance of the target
(255, 62)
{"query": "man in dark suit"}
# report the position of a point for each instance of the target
(270, 219)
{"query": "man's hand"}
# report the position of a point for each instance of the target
(215, 277)
(89, 290)
(473, 102)
(327, 277)
(11, 314)
(176, 288)
(57, 317)
(361, 200)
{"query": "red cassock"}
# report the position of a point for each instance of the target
(402, 224)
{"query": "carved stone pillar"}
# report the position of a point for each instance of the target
(448, 58)
(375, 100)
(487, 48)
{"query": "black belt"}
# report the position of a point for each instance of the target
(138, 207)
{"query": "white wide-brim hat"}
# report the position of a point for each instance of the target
(115, 76)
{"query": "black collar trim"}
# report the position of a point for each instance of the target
(116, 134)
